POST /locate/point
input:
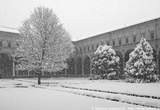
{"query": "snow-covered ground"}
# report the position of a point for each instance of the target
(75, 94)
(150, 89)
(23, 95)
(144, 94)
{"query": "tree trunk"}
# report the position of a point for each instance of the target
(39, 78)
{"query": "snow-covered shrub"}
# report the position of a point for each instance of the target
(141, 67)
(105, 63)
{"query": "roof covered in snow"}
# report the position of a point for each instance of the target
(8, 32)
(8, 29)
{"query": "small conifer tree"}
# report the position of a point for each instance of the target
(141, 67)
(105, 62)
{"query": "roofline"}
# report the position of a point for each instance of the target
(98, 35)
(10, 32)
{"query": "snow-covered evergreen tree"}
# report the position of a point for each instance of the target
(105, 62)
(44, 44)
(141, 67)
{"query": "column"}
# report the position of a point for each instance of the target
(158, 61)
(65, 72)
(13, 68)
(75, 67)
(28, 73)
(124, 63)
(82, 66)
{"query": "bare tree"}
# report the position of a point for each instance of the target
(44, 43)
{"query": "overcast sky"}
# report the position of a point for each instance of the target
(83, 18)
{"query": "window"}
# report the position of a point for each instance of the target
(76, 50)
(102, 43)
(84, 49)
(107, 42)
(134, 38)
(80, 49)
(152, 35)
(17, 44)
(93, 47)
(120, 42)
(142, 34)
(126, 40)
(0, 43)
(97, 45)
(113, 43)
(88, 48)
(5, 44)
(9, 44)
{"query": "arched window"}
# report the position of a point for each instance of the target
(86, 64)
(126, 57)
(88, 49)
(134, 38)
(9, 44)
(102, 42)
(5, 44)
(0, 43)
(142, 34)
(92, 47)
(79, 65)
(127, 40)
(152, 35)
(84, 49)
(77, 50)
(80, 50)
(113, 43)
(6, 65)
(107, 42)
(71, 65)
(119, 41)
(97, 46)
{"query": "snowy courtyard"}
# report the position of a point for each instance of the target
(77, 94)
(79, 55)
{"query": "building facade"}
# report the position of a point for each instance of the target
(7, 47)
(123, 40)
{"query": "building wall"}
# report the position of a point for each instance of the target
(123, 41)
(7, 47)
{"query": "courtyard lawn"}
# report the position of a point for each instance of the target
(144, 94)
(150, 89)
(20, 95)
